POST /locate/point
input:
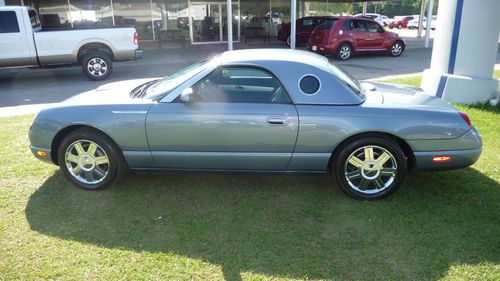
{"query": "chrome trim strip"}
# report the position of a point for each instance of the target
(129, 111)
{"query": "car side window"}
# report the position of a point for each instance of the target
(358, 25)
(8, 22)
(373, 27)
(240, 85)
(307, 22)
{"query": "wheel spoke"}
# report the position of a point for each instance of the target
(77, 169)
(100, 172)
(388, 172)
(101, 160)
(383, 158)
(355, 161)
(79, 148)
(353, 175)
(369, 154)
(73, 158)
(364, 184)
(92, 148)
(379, 183)
(89, 176)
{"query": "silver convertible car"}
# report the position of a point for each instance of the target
(256, 111)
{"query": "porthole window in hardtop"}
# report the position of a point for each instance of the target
(309, 84)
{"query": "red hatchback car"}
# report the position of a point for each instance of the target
(401, 22)
(345, 36)
(304, 28)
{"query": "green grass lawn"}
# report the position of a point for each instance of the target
(252, 227)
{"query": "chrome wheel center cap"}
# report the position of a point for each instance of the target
(370, 170)
(87, 162)
(97, 66)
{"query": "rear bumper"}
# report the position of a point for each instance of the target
(139, 53)
(459, 159)
(322, 48)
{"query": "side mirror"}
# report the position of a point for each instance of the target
(187, 95)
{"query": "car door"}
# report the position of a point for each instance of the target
(376, 36)
(14, 44)
(240, 118)
(304, 30)
(358, 34)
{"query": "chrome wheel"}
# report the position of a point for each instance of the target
(97, 67)
(370, 169)
(396, 49)
(87, 162)
(345, 52)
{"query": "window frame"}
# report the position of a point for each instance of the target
(220, 67)
(304, 76)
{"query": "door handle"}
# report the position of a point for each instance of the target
(280, 121)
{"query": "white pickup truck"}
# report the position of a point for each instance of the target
(24, 43)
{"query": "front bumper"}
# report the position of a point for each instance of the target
(42, 154)
(139, 54)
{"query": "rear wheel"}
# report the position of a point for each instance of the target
(289, 40)
(344, 51)
(370, 168)
(400, 26)
(97, 66)
(90, 160)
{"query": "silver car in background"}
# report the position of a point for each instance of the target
(267, 110)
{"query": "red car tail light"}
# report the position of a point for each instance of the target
(136, 38)
(466, 118)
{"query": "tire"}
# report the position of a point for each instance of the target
(90, 160)
(365, 177)
(97, 66)
(396, 49)
(288, 40)
(400, 26)
(344, 51)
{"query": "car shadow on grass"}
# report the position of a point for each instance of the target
(285, 226)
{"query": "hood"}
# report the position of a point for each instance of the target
(111, 93)
(402, 95)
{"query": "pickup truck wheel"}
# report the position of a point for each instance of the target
(370, 168)
(90, 160)
(97, 66)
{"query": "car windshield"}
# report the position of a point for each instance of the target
(346, 78)
(169, 83)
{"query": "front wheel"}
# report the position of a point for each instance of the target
(396, 49)
(289, 41)
(370, 168)
(90, 160)
(97, 66)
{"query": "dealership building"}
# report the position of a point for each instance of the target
(202, 21)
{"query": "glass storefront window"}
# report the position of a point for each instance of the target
(136, 13)
(96, 13)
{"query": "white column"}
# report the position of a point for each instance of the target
(2, 3)
(429, 22)
(229, 25)
(293, 23)
(463, 57)
(421, 18)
